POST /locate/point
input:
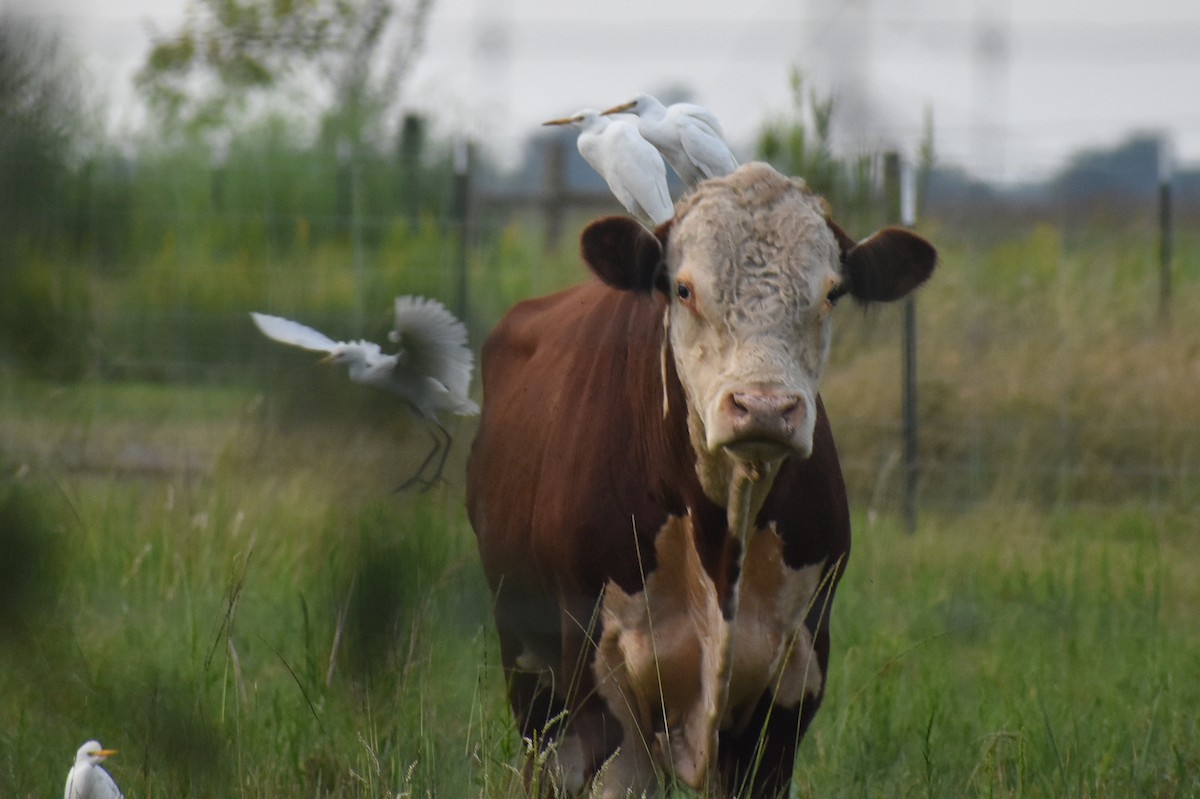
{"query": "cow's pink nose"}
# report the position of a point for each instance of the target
(763, 414)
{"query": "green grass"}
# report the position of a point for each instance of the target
(1008, 652)
(259, 624)
(216, 578)
(1044, 374)
(265, 618)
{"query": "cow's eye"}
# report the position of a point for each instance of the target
(836, 293)
(684, 292)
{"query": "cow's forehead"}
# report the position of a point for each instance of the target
(754, 232)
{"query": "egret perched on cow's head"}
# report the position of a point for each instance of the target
(87, 779)
(629, 164)
(431, 371)
(688, 136)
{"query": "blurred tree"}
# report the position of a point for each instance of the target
(39, 117)
(43, 301)
(1127, 172)
(345, 60)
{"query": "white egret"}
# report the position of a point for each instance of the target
(688, 136)
(629, 164)
(431, 371)
(87, 779)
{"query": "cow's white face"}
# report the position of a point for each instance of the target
(751, 271)
(752, 265)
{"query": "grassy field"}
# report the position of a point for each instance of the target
(227, 591)
(216, 577)
(223, 605)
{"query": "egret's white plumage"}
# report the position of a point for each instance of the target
(431, 371)
(87, 779)
(434, 344)
(629, 164)
(688, 136)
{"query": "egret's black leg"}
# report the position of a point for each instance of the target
(417, 476)
(437, 473)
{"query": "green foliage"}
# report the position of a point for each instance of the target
(1044, 374)
(799, 143)
(168, 246)
(102, 225)
(39, 119)
(344, 61)
(29, 572)
(43, 296)
(44, 316)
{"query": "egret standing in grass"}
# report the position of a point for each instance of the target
(629, 164)
(688, 136)
(431, 371)
(87, 779)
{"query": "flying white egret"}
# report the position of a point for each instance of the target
(688, 136)
(629, 164)
(87, 779)
(431, 371)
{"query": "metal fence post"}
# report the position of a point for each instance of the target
(912, 472)
(1165, 233)
(900, 190)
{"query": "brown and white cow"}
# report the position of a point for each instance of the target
(658, 502)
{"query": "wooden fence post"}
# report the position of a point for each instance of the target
(461, 212)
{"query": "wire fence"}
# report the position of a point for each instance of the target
(1075, 436)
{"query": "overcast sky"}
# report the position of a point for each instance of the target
(1013, 86)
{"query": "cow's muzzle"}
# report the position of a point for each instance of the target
(763, 424)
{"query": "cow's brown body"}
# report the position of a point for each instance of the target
(582, 475)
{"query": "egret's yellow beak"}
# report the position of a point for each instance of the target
(563, 121)
(104, 752)
(326, 359)
(617, 109)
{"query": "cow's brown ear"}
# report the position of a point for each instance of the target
(845, 243)
(888, 265)
(622, 253)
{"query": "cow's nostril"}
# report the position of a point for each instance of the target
(762, 405)
(762, 424)
(737, 405)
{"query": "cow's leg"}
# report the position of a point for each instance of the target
(530, 689)
(759, 761)
(528, 629)
(590, 734)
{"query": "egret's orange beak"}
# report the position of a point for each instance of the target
(617, 109)
(104, 752)
(563, 121)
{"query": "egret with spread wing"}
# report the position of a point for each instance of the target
(87, 779)
(688, 136)
(629, 164)
(431, 371)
